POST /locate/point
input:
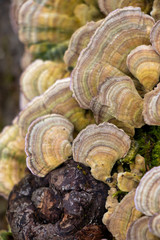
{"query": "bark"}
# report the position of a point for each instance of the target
(67, 204)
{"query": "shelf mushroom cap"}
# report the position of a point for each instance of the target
(147, 198)
(48, 143)
(56, 99)
(139, 230)
(106, 53)
(39, 76)
(151, 107)
(144, 63)
(155, 37)
(100, 146)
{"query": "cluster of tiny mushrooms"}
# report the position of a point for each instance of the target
(89, 113)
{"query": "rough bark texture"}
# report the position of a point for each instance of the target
(67, 204)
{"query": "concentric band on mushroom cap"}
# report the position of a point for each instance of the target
(57, 99)
(151, 108)
(108, 6)
(100, 146)
(147, 197)
(154, 224)
(155, 37)
(48, 143)
(122, 217)
(79, 41)
(12, 158)
(155, 13)
(144, 63)
(39, 76)
(122, 101)
(139, 230)
(106, 53)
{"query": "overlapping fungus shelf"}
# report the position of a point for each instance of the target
(48, 143)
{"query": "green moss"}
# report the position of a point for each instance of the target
(156, 154)
(129, 158)
(155, 132)
(119, 195)
(148, 138)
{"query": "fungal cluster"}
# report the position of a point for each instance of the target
(147, 201)
(38, 77)
(46, 26)
(86, 108)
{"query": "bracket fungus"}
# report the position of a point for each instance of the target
(126, 181)
(111, 204)
(46, 26)
(99, 147)
(12, 159)
(139, 230)
(57, 99)
(79, 41)
(144, 63)
(108, 6)
(155, 13)
(147, 198)
(35, 15)
(122, 100)
(39, 76)
(48, 143)
(105, 55)
(151, 108)
(154, 224)
(115, 69)
(123, 215)
(155, 36)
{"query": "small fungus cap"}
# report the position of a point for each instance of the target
(123, 216)
(154, 224)
(56, 99)
(155, 37)
(151, 107)
(139, 230)
(107, 6)
(39, 76)
(122, 100)
(48, 143)
(100, 146)
(144, 63)
(147, 198)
